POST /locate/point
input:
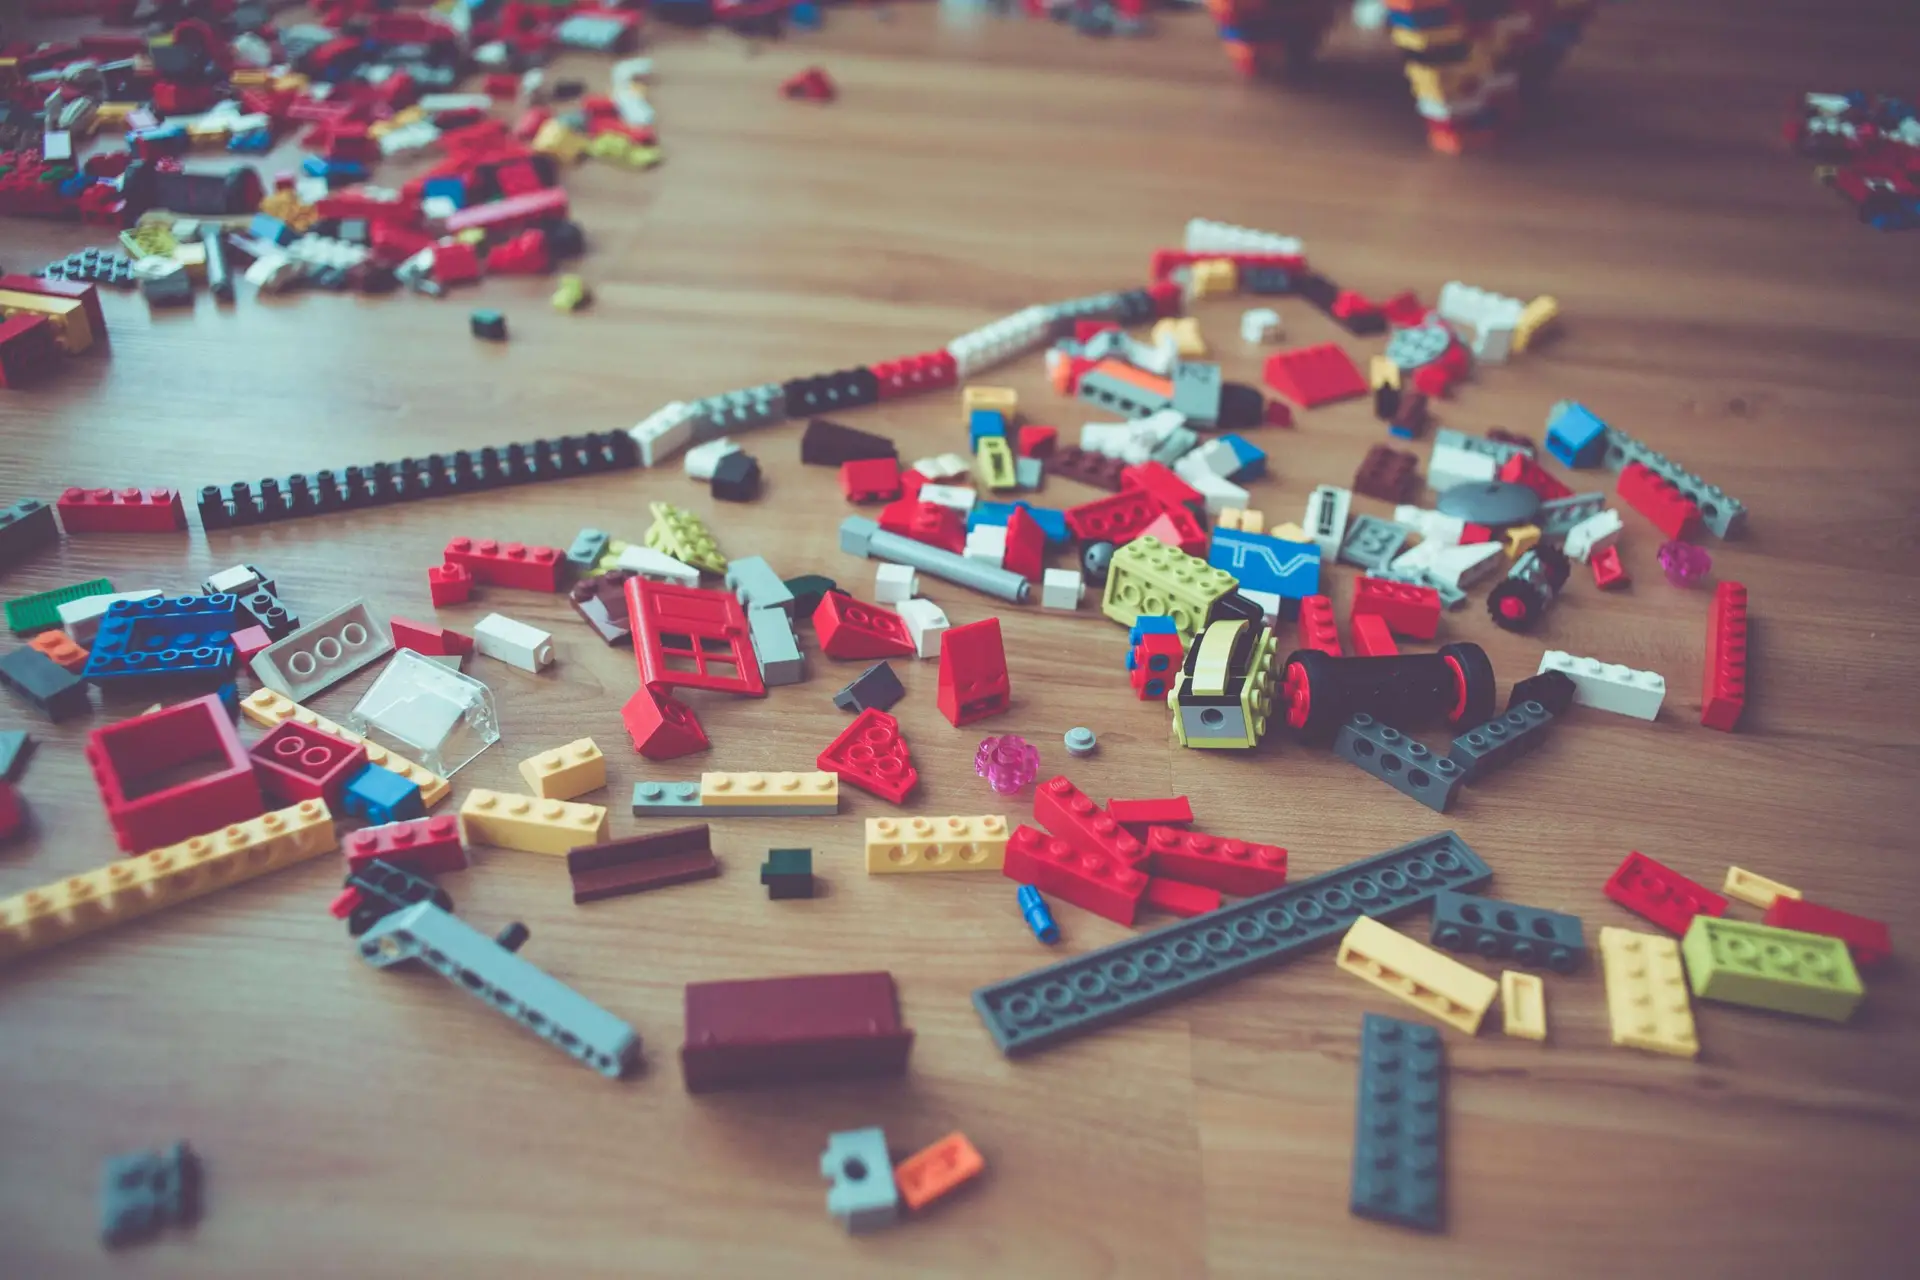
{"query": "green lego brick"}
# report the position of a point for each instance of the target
(1779, 969)
(1148, 576)
(38, 612)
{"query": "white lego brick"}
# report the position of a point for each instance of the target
(1207, 236)
(56, 146)
(1261, 324)
(1159, 426)
(894, 583)
(80, 619)
(1105, 438)
(1432, 526)
(1608, 686)
(926, 623)
(1326, 517)
(633, 108)
(663, 433)
(231, 581)
(273, 273)
(1003, 340)
(1220, 493)
(1593, 534)
(1061, 589)
(310, 189)
(657, 565)
(437, 209)
(987, 543)
(1451, 467)
(1215, 458)
(949, 495)
(703, 458)
(1157, 359)
(514, 643)
(944, 466)
(408, 138)
(629, 69)
(1269, 602)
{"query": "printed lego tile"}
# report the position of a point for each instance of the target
(1647, 999)
(1432, 982)
(1523, 1005)
(530, 825)
(936, 844)
(1738, 962)
(1399, 1157)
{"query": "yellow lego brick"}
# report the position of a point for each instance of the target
(1522, 538)
(68, 316)
(1647, 999)
(149, 240)
(129, 888)
(1148, 576)
(113, 115)
(1523, 1005)
(266, 708)
(681, 535)
(1246, 519)
(1184, 333)
(565, 772)
(560, 142)
(530, 824)
(1756, 891)
(1784, 970)
(1535, 318)
(1382, 372)
(1213, 276)
(1426, 979)
(936, 844)
(249, 77)
(1423, 41)
(1289, 532)
(1005, 399)
(767, 790)
(993, 463)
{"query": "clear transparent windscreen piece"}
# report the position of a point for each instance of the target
(429, 712)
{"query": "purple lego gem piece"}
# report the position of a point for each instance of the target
(1684, 563)
(1008, 763)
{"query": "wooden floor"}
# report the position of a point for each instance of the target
(1719, 305)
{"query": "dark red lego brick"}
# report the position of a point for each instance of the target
(785, 1030)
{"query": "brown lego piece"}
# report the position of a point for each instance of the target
(1094, 469)
(1387, 474)
(601, 602)
(1411, 415)
(779, 1030)
(1505, 436)
(639, 863)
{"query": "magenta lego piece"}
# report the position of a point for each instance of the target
(1684, 563)
(1009, 763)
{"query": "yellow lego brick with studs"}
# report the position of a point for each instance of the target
(1213, 276)
(266, 708)
(681, 535)
(1647, 1001)
(1148, 576)
(1785, 970)
(129, 888)
(1004, 399)
(67, 317)
(1523, 1005)
(565, 772)
(764, 790)
(1756, 890)
(936, 844)
(1183, 333)
(1430, 981)
(1243, 519)
(530, 824)
(993, 463)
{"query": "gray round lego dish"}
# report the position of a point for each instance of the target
(1492, 503)
(1081, 741)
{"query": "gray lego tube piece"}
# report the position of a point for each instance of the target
(863, 537)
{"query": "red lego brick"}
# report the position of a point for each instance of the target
(424, 846)
(296, 762)
(507, 564)
(1176, 527)
(811, 85)
(1167, 488)
(1278, 414)
(1608, 572)
(1725, 694)
(121, 511)
(1386, 473)
(687, 637)
(1655, 497)
(973, 673)
(1137, 815)
(1036, 440)
(12, 813)
(1662, 895)
(910, 375)
(1407, 609)
(1026, 552)
(1167, 297)
(927, 522)
(524, 254)
(1867, 940)
(1438, 377)
(661, 726)
(1117, 519)
(1084, 331)
(1070, 814)
(1166, 261)
(1317, 629)
(1238, 867)
(515, 213)
(1177, 898)
(1153, 665)
(782, 1030)
(449, 584)
(455, 262)
(434, 641)
(1404, 310)
(1471, 533)
(1520, 469)
(45, 286)
(27, 350)
(1313, 376)
(870, 479)
(248, 641)
(56, 645)
(871, 755)
(849, 628)
(1372, 638)
(1096, 882)
(130, 757)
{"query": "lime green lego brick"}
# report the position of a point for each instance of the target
(1148, 576)
(37, 613)
(1784, 970)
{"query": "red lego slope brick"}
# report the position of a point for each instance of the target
(849, 629)
(973, 673)
(1238, 867)
(1118, 519)
(1725, 695)
(1372, 638)
(661, 726)
(1105, 885)
(1026, 552)
(1520, 469)
(1661, 894)
(121, 511)
(780, 1030)
(1071, 815)
(871, 754)
(1313, 376)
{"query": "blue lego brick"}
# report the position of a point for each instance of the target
(805, 16)
(256, 142)
(381, 796)
(1151, 624)
(1575, 436)
(1399, 1156)
(269, 228)
(75, 186)
(989, 513)
(166, 636)
(454, 189)
(982, 423)
(314, 166)
(1427, 19)
(1052, 522)
(1527, 937)
(1253, 459)
(1263, 563)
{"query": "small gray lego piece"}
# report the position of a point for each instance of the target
(776, 647)
(743, 410)
(588, 546)
(1723, 515)
(1096, 558)
(1116, 396)
(1081, 741)
(1558, 515)
(1213, 719)
(1531, 936)
(877, 687)
(504, 981)
(323, 653)
(15, 745)
(1399, 761)
(863, 537)
(1500, 740)
(1371, 542)
(144, 1191)
(1173, 446)
(666, 797)
(1196, 392)
(1399, 1161)
(755, 584)
(863, 1197)
(1495, 503)
(1499, 452)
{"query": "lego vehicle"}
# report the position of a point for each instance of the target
(1224, 696)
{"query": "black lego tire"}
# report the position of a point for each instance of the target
(1478, 686)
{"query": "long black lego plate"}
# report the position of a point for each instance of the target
(1042, 1008)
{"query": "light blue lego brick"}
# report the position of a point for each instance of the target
(1253, 459)
(269, 228)
(989, 513)
(982, 423)
(1052, 522)
(381, 796)
(1575, 436)
(1263, 563)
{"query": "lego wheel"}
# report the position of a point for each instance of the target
(1473, 673)
(1514, 605)
(1308, 697)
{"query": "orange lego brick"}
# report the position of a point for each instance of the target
(1126, 373)
(62, 650)
(925, 1176)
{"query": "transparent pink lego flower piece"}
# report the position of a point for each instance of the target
(1008, 763)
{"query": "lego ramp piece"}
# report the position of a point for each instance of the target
(1399, 1159)
(502, 980)
(782, 1030)
(1431, 982)
(936, 844)
(1739, 962)
(1040, 1009)
(1647, 993)
(266, 708)
(1313, 376)
(323, 653)
(638, 863)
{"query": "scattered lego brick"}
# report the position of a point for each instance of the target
(1399, 1154)
(1507, 931)
(144, 1193)
(1738, 962)
(1662, 895)
(871, 754)
(765, 1031)
(565, 773)
(1424, 978)
(639, 863)
(1313, 376)
(1867, 940)
(936, 844)
(1647, 1002)
(1523, 1005)
(530, 825)
(1755, 890)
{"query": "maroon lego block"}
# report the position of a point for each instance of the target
(135, 764)
(638, 863)
(425, 846)
(121, 511)
(1313, 376)
(297, 762)
(1389, 474)
(783, 1030)
(507, 564)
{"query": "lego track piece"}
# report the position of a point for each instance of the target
(1039, 1009)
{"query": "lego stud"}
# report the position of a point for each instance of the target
(1080, 741)
(1008, 763)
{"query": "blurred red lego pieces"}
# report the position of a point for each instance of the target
(1471, 533)
(1317, 629)
(1137, 815)
(13, 813)
(1117, 519)
(661, 726)
(1166, 261)
(1179, 899)
(513, 214)
(1036, 440)
(870, 479)
(434, 641)
(1438, 377)
(1867, 940)
(811, 85)
(1026, 552)
(1725, 694)
(1372, 638)
(296, 762)
(455, 262)
(424, 846)
(1520, 469)
(687, 637)
(1608, 572)
(524, 254)
(928, 522)
(27, 350)
(1661, 894)
(121, 511)
(248, 641)
(871, 754)
(850, 629)
(449, 584)
(1098, 882)
(1278, 414)
(1655, 497)
(1167, 296)
(132, 760)
(1407, 609)
(1404, 310)
(1238, 867)
(1313, 376)
(507, 564)
(973, 672)
(1176, 527)
(909, 375)
(1071, 814)
(1167, 488)
(1084, 331)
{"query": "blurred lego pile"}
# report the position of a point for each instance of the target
(1868, 145)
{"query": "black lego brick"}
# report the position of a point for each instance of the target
(25, 527)
(38, 679)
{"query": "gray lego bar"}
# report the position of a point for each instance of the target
(1400, 762)
(477, 964)
(775, 646)
(755, 584)
(1724, 515)
(1557, 516)
(1528, 936)
(1372, 543)
(864, 1196)
(860, 536)
(1500, 741)
(1084, 993)
(1399, 1157)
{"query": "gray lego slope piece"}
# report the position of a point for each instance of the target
(1399, 761)
(529, 995)
(876, 687)
(322, 653)
(1500, 741)
(1399, 1154)
(860, 536)
(1556, 517)
(1039, 1009)
(864, 1196)
(755, 584)
(1372, 543)
(775, 646)
(1530, 936)
(1724, 515)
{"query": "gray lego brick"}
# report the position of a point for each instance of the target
(322, 653)
(755, 584)
(503, 981)
(736, 411)
(1477, 444)
(863, 1196)
(1399, 1157)
(1372, 543)
(1039, 1009)
(1115, 396)
(1196, 392)
(1399, 761)
(1500, 741)
(1213, 719)
(877, 687)
(1530, 937)
(1559, 515)
(1724, 515)
(145, 1191)
(775, 646)
(588, 546)
(682, 799)
(1175, 445)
